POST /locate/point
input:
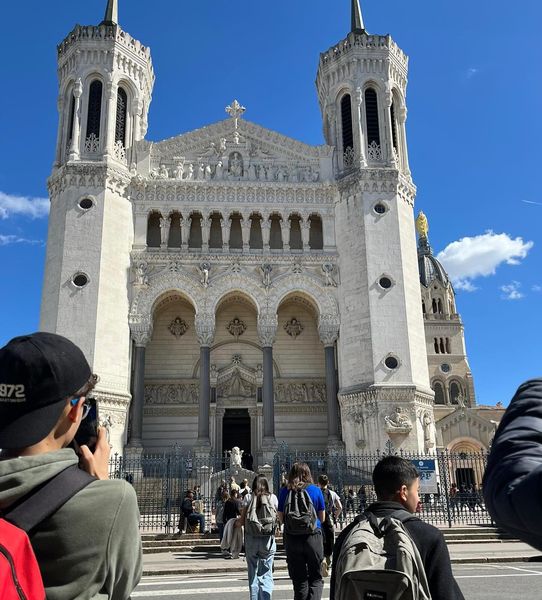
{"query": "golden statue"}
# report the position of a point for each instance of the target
(422, 226)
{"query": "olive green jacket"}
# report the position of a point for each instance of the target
(90, 549)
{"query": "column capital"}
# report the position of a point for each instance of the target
(267, 329)
(328, 329)
(141, 334)
(205, 328)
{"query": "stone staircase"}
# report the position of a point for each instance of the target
(195, 543)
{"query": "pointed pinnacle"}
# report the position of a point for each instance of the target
(357, 17)
(111, 13)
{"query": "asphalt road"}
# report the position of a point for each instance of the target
(478, 582)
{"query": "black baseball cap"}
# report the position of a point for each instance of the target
(38, 372)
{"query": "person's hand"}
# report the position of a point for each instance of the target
(97, 464)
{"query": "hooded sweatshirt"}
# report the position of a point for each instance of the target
(90, 549)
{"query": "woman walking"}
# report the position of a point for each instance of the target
(259, 517)
(302, 510)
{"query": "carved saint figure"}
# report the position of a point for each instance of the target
(141, 274)
(222, 147)
(179, 171)
(266, 270)
(328, 274)
(236, 165)
(163, 173)
(422, 225)
(399, 420)
(293, 328)
(204, 270)
(190, 174)
(427, 423)
(133, 169)
(236, 455)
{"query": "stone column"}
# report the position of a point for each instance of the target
(266, 233)
(205, 331)
(358, 130)
(225, 225)
(165, 226)
(205, 232)
(332, 120)
(137, 115)
(246, 224)
(76, 132)
(305, 233)
(328, 335)
(108, 141)
(388, 131)
(267, 331)
(62, 119)
(141, 339)
(185, 232)
(401, 115)
(285, 231)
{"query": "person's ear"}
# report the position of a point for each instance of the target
(403, 492)
(74, 410)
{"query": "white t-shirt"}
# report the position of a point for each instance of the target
(273, 498)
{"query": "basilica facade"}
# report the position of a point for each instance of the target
(232, 286)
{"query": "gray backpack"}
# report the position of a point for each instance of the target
(299, 513)
(379, 561)
(261, 520)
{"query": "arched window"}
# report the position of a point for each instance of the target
(455, 392)
(275, 239)
(153, 230)
(435, 342)
(122, 111)
(439, 393)
(423, 307)
(442, 348)
(346, 117)
(371, 115)
(256, 238)
(316, 236)
(439, 304)
(394, 127)
(236, 232)
(296, 240)
(94, 115)
(448, 346)
(215, 235)
(434, 306)
(175, 231)
(195, 236)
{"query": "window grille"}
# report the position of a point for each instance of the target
(371, 114)
(394, 126)
(71, 119)
(120, 125)
(94, 109)
(346, 115)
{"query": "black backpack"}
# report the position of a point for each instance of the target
(299, 513)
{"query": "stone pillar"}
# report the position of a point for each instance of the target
(141, 339)
(305, 233)
(225, 225)
(205, 232)
(108, 143)
(266, 233)
(401, 116)
(358, 129)
(328, 335)
(388, 127)
(62, 119)
(246, 224)
(137, 114)
(205, 331)
(185, 232)
(76, 132)
(285, 231)
(165, 226)
(332, 120)
(267, 331)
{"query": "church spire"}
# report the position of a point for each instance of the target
(357, 17)
(111, 13)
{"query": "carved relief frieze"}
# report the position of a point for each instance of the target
(293, 328)
(178, 327)
(236, 327)
(172, 393)
(398, 422)
(300, 392)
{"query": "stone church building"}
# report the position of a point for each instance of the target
(234, 286)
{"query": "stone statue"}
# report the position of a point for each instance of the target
(266, 270)
(190, 174)
(204, 270)
(201, 172)
(163, 173)
(178, 173)
(219, 171)
(427, 422)
(398, 422)
(207, 174)
(141, 274)
(422, 225)
(328, 274)
(236, 455)
(236, 165)
(133, 169)
(222, 147)
(252, 172)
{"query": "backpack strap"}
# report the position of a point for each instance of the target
(42, 503)
(403, 516)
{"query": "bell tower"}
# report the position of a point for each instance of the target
(384, 392)
(105, 85)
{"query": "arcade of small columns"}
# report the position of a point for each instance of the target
(267, 326)
(235, 231)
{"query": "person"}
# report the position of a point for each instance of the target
(223, 487)
(454, 499)
(190, 514)
(232, 506)
(304, 553)
(230, 546)
(91, 546)
(233, 484)
(219, 516)
(244, 489)
(397, 483)
(334, 508)
(513, 476)
(362, 495)
(349, 501)
(259, 550)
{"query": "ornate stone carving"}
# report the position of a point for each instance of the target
(141, 277)
(267, 269)
(305, 392)
(398, 422)
(205, 329)
(267, 328)
(236, 327)
(236, 456)
(328, 329)
(180, 393)
(328, 270)
(178, 327)
(204, 271)
(293, 328)
(374, 152)
(236, 387)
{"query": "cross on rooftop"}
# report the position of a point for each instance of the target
(235, 110)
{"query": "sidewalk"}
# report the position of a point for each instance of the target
(199, 563)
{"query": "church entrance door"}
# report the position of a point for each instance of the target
(236, 429)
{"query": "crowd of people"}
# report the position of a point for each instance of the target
(69, 532)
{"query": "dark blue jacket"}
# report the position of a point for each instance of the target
(513, 479)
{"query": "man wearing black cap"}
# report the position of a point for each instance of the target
(90, 547)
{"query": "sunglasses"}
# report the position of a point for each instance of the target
(86, 407)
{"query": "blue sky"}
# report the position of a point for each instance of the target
(474, 131)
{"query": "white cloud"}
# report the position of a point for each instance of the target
(537, 288)
(479, 256)
(532, 202)
(26, 206)
(511, 291)
(472, 72)
(7, 240)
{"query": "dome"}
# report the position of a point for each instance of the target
(430, 268)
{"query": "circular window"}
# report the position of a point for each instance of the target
(85, 203)
(391, 362)
(380, 208)
(445, 368)
(385, 283)
(80, 280)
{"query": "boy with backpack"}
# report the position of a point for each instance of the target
(333, 511)
(83, 528)
(302, 510)
(387, 552)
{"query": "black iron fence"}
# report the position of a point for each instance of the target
(451, 492)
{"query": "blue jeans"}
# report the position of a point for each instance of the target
(197, 518)
(260, 552)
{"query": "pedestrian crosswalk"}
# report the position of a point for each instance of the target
(226, 588)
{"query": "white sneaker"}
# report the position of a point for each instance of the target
(325, 571)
